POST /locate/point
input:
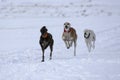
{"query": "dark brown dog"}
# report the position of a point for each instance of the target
(45, 41)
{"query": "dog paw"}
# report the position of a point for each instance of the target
(89, 50)
(93, 47)
(68, 47)
(71, 45)
(42, 60)
(50, 58)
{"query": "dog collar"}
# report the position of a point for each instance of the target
(67, 31)
(45, 35)
(87, 36)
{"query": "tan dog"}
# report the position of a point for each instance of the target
(90, 39)
(69, 36)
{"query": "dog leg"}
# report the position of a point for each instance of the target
(75, 48)
(71, 42)
(93, 44)
(42, 55)
(67, 44)
(51, 49)
(88, 46)
(50, 55)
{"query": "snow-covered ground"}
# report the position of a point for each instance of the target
(20, 53)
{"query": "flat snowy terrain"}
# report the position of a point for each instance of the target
(20, 53)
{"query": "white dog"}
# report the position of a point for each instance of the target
(90, 39)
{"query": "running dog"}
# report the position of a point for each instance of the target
(45, 41)
(90, 39)
(69, 36)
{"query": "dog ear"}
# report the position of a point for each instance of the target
(64, 23)
(68, 24)
(41, 30)
(45, 29)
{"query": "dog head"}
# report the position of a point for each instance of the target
(86, 33)
(67, 26)
(43, 30)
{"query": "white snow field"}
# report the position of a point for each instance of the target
(20, 53)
